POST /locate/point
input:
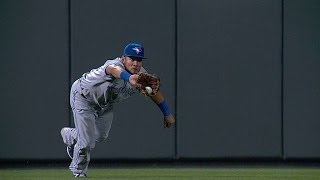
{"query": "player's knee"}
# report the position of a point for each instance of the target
(89, 144)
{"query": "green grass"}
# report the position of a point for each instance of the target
(168, 173)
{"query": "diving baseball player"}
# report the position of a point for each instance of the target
(93, 96)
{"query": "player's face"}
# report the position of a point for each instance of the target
(132, 64)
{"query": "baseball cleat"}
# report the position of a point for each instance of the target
(70, 151)
(80, 175)
(68, 139)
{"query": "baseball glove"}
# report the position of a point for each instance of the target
(148, 80)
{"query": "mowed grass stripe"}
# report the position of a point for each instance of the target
(167, 173)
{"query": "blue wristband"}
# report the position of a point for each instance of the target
(125, 75)
(164, 108)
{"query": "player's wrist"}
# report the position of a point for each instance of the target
(164, 108)
(125, 75)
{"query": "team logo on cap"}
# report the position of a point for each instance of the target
(137, 49)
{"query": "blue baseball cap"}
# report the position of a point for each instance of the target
(134, 50)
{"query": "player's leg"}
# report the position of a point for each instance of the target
(69, 137)
(84, 120)
(85, 126)
(103, 125)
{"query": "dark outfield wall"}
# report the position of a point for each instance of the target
(301, 79)
(34, 88)
(254, 63)
(232, 52)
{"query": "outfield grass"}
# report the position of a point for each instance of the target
(168, 173)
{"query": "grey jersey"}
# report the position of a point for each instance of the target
(103, 89)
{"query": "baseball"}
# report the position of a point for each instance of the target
(148, 89)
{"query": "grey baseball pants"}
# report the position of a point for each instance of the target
(91, 126)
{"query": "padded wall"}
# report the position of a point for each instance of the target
(229, 79)
(35, 87)
(301, 78)
(247, 76)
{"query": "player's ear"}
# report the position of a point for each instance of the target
(122, 59)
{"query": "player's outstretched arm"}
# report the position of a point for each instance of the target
(160, 101)
(158, 98)
(119, 72)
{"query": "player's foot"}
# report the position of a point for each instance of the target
(67, 139)
(80, 175)
(67, 135)
(70, 151)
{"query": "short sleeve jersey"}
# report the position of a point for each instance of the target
(103, 89)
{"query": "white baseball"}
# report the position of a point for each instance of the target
(149, 89)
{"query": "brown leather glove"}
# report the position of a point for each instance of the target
(148, 80)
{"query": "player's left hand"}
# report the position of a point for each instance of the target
(168, 121)
(148, 80)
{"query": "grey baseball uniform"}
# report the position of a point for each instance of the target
(92, 98)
